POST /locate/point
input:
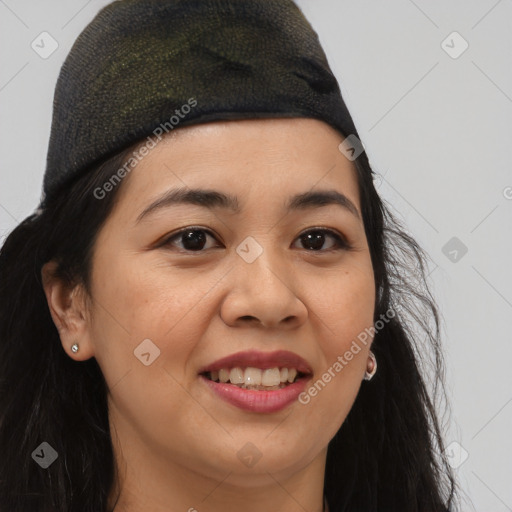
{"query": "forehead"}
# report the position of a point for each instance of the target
(263, 159)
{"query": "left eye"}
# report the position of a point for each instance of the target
(316, 238)
(194, 239)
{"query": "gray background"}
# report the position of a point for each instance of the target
(437, 127)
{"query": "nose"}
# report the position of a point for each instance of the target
(265, 293)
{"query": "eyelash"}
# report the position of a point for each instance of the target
(342, 243)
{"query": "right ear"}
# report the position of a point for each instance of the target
(68, 309)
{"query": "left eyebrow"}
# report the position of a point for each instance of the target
(213, 199)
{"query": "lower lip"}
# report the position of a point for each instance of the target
(257, 401)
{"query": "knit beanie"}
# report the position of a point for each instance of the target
(145, 67)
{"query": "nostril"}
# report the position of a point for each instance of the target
(248, 317)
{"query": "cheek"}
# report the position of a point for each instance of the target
(135, 302)
(344, 312)
(174, 307)
(344, 303)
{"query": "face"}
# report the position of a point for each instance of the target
(274, 276)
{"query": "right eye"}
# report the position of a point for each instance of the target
(193, 239)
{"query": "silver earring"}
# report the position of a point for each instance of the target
(373, 367)
(74, 348)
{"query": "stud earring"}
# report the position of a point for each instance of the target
(74, 348)
(371, 367)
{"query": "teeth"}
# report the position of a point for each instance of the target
(236, 376)
(255, 378)
(271, 377)
(252, 376)
(292, 373)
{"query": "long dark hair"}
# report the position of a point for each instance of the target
(387, 456)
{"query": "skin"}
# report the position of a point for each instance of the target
(175, 442)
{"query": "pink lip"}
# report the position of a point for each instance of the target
(262, 360)
(254, 400)
(258, 401)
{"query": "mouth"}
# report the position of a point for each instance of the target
(268, 379)
(257, 381)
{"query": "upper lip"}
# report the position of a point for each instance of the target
(262, 360)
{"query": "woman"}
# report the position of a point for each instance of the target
(212, 308)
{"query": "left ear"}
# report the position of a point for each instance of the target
(68, 307)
